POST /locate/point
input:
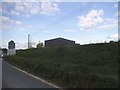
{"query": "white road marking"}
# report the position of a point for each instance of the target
(34, 76)
(0, 73)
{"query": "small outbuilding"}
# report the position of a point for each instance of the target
(11, 45)
(11, 48)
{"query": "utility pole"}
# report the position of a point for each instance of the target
(28, 41)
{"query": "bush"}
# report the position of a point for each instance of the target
(87, 66)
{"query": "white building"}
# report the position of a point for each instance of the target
(11, 48)
(11, 52)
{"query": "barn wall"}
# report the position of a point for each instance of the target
(58, 42)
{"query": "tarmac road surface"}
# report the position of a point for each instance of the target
(14, 78)
(0, 73)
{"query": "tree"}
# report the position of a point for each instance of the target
(39, 45)
(111, 42)
(4, 50)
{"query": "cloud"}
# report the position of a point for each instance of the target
(49, 8)
(8, 23)
(69, 30)
(21, 45)
(107, 27)
(94, 18)
(115, 5)
(116, 14)
(31, 8)
(113, 37)
(109, 23)
(30, 0)
(86, 22)
(0, 8)
(25, 9)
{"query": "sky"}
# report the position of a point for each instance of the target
(83, 22)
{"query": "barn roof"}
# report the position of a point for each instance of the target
(59, 39)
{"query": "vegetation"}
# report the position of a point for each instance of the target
(80, 66)
(40, 45)
(4, 50)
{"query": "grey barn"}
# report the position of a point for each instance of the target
(58, 42)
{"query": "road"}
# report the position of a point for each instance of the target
(14, 78)
(0, 73)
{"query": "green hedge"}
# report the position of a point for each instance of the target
(84, 66)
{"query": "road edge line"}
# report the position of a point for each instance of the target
(38, 78)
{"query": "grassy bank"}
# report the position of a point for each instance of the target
(85, 66)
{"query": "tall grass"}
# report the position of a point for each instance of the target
(85, 66)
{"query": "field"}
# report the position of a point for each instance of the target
(80, 66)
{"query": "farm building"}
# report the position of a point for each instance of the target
(58, 42)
